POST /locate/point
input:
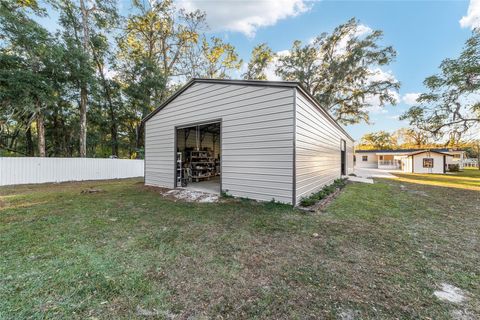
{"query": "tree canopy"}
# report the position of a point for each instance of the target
(378, 140)
(83, 89)
(98, 71)
(262, 56)
(412, 138)
(451, 106)
(342, 71)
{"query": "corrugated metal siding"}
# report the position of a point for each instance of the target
(257, 137)
(317, 149)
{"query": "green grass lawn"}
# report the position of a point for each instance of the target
(467, 179)
(381, 252)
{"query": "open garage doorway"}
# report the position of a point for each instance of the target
(198, 157)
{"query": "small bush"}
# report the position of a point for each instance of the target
(322, 194)
(340, 183)
(224, 194)
(307, 202)
(274, 204)
(453, 167)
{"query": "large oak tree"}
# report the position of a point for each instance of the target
(450, 109)
(342, 71)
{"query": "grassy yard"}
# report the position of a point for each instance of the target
(468, 179)
(126, 252)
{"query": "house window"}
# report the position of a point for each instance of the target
(364, 158)
(381, 157)
(428, 162)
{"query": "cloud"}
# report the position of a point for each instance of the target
(360, 31)
(410, 98)
(375, 105)
(270, 71)
(245, 16)
(378, 74)
(374, 101)
(394, 117)
(472, 19)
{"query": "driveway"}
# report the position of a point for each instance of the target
(375, 173)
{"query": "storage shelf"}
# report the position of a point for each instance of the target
(202, 165)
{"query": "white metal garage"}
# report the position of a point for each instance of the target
(262, 140)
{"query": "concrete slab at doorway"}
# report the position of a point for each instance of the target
(375, 173)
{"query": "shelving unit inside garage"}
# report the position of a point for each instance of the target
(198, 154)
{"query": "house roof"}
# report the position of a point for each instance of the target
(438, 150)
(288, 84)
(434, 151)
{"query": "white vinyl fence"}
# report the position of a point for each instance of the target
(40, 170)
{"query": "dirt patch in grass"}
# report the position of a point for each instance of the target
(185, 195)
(160, 190)
(91, 190)
(450, 293)
(463, 315)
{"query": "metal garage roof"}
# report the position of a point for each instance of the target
(288, 84)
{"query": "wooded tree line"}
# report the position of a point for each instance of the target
(403, 138)
(82, 89)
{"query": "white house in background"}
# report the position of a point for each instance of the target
(410, 160)
(470, 162)
(261, 140)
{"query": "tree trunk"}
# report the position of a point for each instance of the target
(478, 156)
(29, 151)
(83, 86)
(140, 129)
(57, 133)
(113, 122)
(138, 138)
(113, 134)
(111, 109)
(83, 122)
(14, 138)
(40, 131)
